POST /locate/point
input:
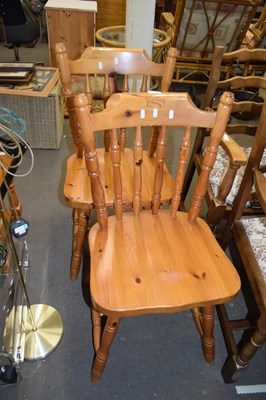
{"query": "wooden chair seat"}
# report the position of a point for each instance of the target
(77, 187)
(144, 265)
(220, 168)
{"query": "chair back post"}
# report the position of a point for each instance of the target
(207, 101)
(168, 69)
(82, 110)
(62, 63)
(222, 116)
(179, 181)
(260, 186)
(214, 77)
(63, 66)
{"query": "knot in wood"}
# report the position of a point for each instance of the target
(128, 113)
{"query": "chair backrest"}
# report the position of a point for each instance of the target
(253, 164)
(137, 111)
(239, 69)
(105, 63)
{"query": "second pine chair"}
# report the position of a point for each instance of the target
(107, 64)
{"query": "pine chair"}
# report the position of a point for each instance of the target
(231, 160)
(107, 63)
(249, 234)
(156, 260)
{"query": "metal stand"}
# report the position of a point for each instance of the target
(41, 324)
(40, 339)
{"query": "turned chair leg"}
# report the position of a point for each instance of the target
(102, 354)
(204, 321)
(78, 242)
(96, 328)
(208, 343)
(237, 364)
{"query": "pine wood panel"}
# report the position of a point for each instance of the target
(110, 13)
(73, 28)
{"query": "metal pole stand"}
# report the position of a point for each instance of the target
(32, 330)
(40, 339)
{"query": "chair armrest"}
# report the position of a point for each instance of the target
(237, 159)
(167, 18)
(233, 150)
(262, 168)
(260, 186)
(167, 24)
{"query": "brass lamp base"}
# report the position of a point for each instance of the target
(42, 340)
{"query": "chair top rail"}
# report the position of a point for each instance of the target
(104, 60)
(156, 109)
(246, 55)
(239, 82)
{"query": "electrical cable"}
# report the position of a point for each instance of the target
(12, 128)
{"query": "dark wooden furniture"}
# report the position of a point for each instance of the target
(249, 234)
(154, 260)
(242, 69)
(113, 68)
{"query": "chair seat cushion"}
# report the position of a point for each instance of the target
(219, 170)
(77, 189)
(155, 263)
(252, 233)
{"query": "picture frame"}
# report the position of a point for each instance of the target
(41, 84)
(16, 66)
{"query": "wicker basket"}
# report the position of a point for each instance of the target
(44, 116)
(114, 36)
